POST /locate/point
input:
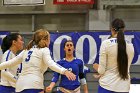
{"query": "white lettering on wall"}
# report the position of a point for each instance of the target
(92, 48)
(79, 46)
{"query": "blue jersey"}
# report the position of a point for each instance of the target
(76, 66)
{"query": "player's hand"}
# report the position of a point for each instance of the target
(70, 75)
(97, 76)
(48, 89)
(86, 92)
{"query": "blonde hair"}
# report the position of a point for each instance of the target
(40, 38)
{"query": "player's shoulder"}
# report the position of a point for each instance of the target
(6, 55)
(129, 44)
(78, 60)
(109, 42)
(7, 52)
(39, 51)
(45, 49)
(61, 61)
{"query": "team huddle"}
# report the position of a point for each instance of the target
(23, 73)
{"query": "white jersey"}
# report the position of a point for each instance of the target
(35, 62)
(8, 75)
(110, 78)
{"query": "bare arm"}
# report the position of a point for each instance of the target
(50, 87)
(102, 59)
(9, 76)
(95, 66)
(85, 88)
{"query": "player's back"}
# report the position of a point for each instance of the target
(32, 61)
(33, 70)
(111, 52)
(110, 78)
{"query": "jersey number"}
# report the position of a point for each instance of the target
(29, 55)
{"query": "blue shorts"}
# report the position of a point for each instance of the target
(102, 90)
(31, 91)
(7, 89)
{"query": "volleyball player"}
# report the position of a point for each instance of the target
(35, 60)
(74, 65)
(116, 56)
(11, 44)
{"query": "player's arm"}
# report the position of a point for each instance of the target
(95, 66)
(85, 88)
(82, 77)
(53, 82)
(54, 66)
(50, 63)
(12, 62)
(102, 59)
(9, 76)
(50, 87)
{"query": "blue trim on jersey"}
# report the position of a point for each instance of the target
(103, 90)
(7, 56)
(7, 89)
(20, 69)
(31, 91)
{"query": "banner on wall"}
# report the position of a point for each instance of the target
(2, 35)
(87, 45)
(73, 1)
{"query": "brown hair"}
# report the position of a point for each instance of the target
(40, 39)
(68, 41)
(122, 58)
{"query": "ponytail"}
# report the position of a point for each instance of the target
(122, 58)
(6, 44)
(40, 38)
(30, 44)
